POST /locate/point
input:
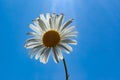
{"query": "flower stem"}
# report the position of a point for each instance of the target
(65, 67)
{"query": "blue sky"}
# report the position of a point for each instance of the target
(96, 57)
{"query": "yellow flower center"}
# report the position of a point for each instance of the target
(51, 38)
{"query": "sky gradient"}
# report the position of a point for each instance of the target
(96, 57)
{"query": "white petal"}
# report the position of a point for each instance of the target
(74, 33)
(68, 36)
(32, 40)
(71, 34)
(48, 20)
(60, 56)
(51, 23)
(42, 17)
(59, 20)
(34, 34)
(34, 50)
(44, 21)
(55, 56)
(65, 47)
(37, 24)
(34, 28)
(53, 19)
(45, 56)
(41, 51)
(69, 41)
(68, 30)
(30, 43)
(32, 46)
(33, 53)
(42, 24)
(48, 16)
(66, 24)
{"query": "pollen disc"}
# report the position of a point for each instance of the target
(51, 38)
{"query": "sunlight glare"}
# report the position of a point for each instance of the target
(63, 6)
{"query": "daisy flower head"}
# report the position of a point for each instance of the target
(50, 36)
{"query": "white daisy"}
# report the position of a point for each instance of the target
(50, 35)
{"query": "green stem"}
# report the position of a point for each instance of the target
(65, 67)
